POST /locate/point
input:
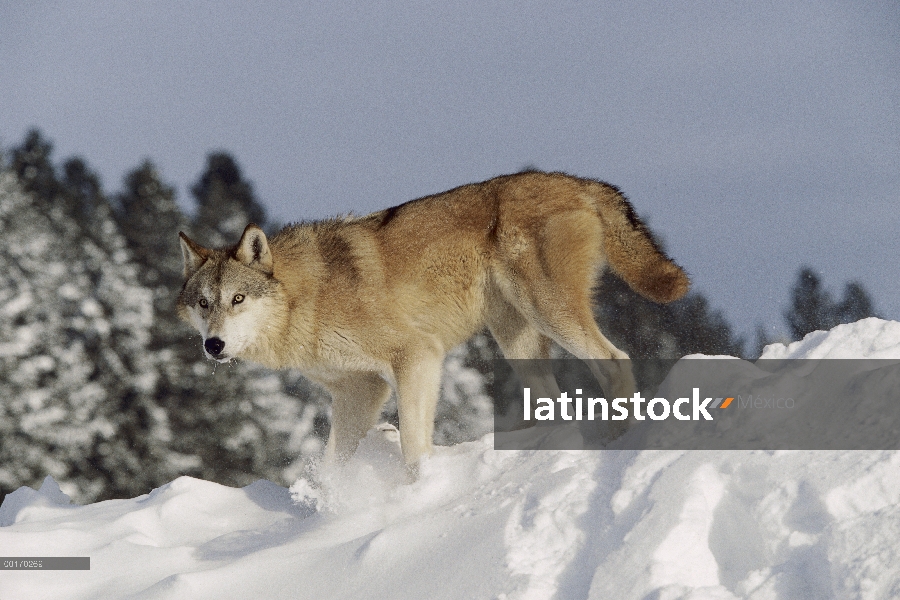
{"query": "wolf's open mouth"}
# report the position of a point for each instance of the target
(222, 358)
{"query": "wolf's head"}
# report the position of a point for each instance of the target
(229, 295)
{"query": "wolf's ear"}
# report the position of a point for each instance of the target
(253, 250)
(193, 253)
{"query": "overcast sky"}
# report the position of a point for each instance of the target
(753, 136)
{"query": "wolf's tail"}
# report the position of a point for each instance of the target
(634, 255)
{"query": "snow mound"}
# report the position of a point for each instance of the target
(868, 338)
(480, 523)
(28, 501)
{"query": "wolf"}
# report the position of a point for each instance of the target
(369, 305)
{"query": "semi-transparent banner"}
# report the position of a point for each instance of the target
(697, 404)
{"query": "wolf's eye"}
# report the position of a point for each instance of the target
(203, 303)
(238, 298)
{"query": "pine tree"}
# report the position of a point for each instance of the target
(32, 165)
(150, 220)
(83, 195)
(75, 194)
(97, 313)
(111, 392)
(814, 309)
(856, 304)
(225, 202)
(75, 372)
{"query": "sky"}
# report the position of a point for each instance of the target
(754, 137)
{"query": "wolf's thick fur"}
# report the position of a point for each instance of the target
(364, 305)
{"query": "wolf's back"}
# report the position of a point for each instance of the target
(633, 253)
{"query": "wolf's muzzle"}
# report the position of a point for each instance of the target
(214, 346)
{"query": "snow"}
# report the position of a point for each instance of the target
(868, 338)
(480, 523)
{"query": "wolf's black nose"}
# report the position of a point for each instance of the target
(214, 345)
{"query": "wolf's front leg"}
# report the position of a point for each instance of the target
(418, 389)
(357, 400)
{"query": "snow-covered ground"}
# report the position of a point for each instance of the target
(480, 523)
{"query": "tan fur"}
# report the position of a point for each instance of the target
(365, 305)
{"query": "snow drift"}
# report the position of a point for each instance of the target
(481, 523)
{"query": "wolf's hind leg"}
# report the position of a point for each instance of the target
(585, 340)
(526, 347)
(578, 333)
(560, 308)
